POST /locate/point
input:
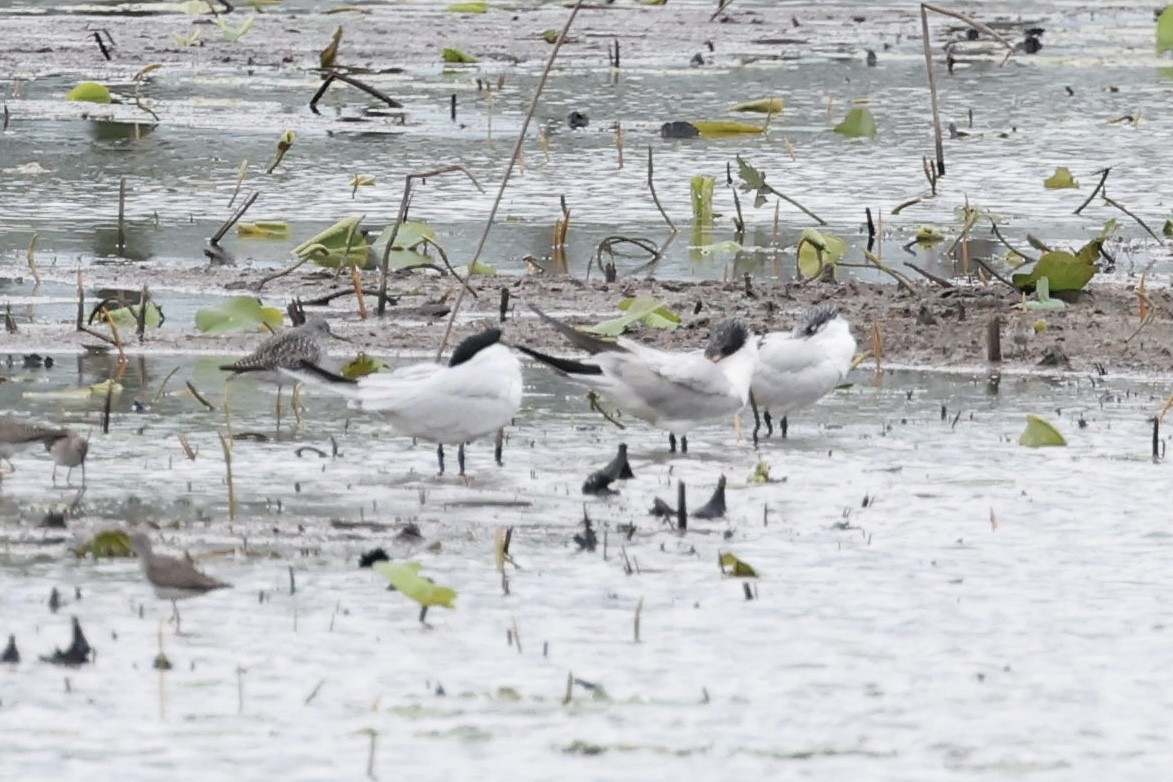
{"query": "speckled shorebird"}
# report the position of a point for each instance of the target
(68, 447)
(173, 579)
(286, 349)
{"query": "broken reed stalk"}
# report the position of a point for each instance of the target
(656, 198)
(1099, 186)
(975, 24)
(371, 755)
(401, 217)
(504, 307)
(994, 339)
(720, 9)
(1156, 438)
(81, 302)
(141, 320)
(1142, 223)
(639, 607)
(938, 140)
(356, 281)
(31, 257)
(529, 116)
(619, 141)
(122, 215)
(929, 275)
(114, 332)
(239, 181)
(195, 392)
(226, 444)
(231, 221)
(106, 408)
(681, 508)
(353, 82)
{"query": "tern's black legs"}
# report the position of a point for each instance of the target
(460, 458)
(672, 443)
(500, 445)
(440, 456)
(785, 425)
(769, 424)
(757, 421)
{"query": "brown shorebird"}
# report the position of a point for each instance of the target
(69, 451)
(173, 579)
(285, 350)
(68, 447)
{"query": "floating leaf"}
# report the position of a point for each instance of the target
(457, 56)
(186, 40)
(1165, 31)
(760, 474)
(362, 366)
(327, 56)
(468, 8)
(1065, 272)
(735, 566)
(264, 229)
(330, 247)
(1039, 433)
(816, 250)
(1060, 180)
(1167, 229)
(77, 394)
(405, 577)
(233, 34)
(716, 128)
(239, 313)
(551, 35)
(90, 92)
(929, 235)
(651, 312)
(362, 180)
(127, 317)
(859, 123)
(104, 544)
(763, 106)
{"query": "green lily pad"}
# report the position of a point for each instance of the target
(651, 312)
(105, 544)
(329, 247)
(457, 56)
(239, 313)
(264, 229)
(859, 123)
(928, 235)
(1165, 31)
(405, 577)
(816, 250)
(1060, 180)
(468, 8)
(1064, 271)
(410, 241)
(90, 92)
(763, 106)
(127, 317)
(718, 128)
(550, 35)
(361, 366)
(735, 566)
(1040, 433)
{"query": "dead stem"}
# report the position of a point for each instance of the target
(226, 445)
(593, 399)
(1103, 172)
(353, 82)
(231, 221)
(1007, 244)
(199, 397)
(656, 198)
(929, 275)
(517, 146)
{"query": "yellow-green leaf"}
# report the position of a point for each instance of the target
(361, 366)
(127, 317)
(405, 577)
(264, 229)
(342, 243)
(90, 92)
(929, 235)
(186, 40)
(1165, 31)
(651, 312)
(1066, 272)
(105, 543)
(816, 250)
(327, 56)
(716, 128)
(735, 566)
(233, 34)
(239, 313)
(763, 106)
(1060, 180)
(551, 35)
(457, 56)
(859, 123)
(101, 388)
(1040, 433)
(760, 474)
(468, 8)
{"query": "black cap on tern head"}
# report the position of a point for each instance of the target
(814, 319)
(727, 339)
(473, 345)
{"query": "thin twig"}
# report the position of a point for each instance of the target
(1103, 172)
(928, 49)
(231, 221)
(656, 198)
(720, 9)
(368, 89)
(529, 115)
(929, 275)
(1143, 224)
(1007, 244)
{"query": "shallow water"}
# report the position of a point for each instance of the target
(911, 638)
(221, 103)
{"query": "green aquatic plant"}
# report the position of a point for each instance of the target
(650, 312)
(1040, 433)
(90, 92)
(816, 251)
(239, 313)
(859, 123)
(1061, 180)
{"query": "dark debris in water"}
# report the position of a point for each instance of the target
(371, 557)
(79, 652)
(11, 654)
(586, 540)
(599, 482)
(715, 507)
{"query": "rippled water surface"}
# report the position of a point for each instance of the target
(935, 601)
